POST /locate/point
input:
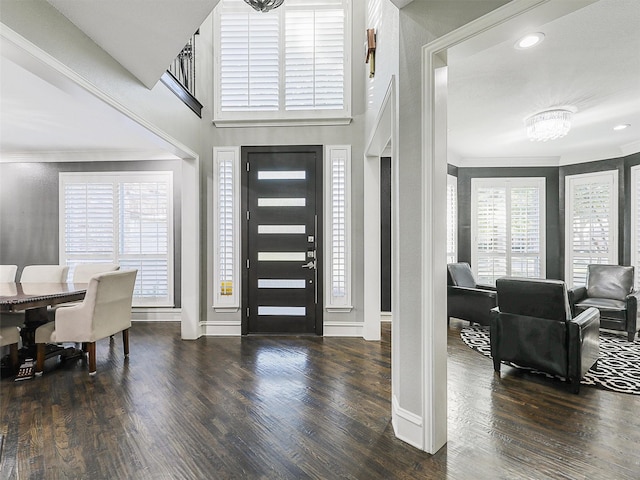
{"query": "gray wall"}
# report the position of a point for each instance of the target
(555, 205)
(29, 206)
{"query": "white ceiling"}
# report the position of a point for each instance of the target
(589, 59)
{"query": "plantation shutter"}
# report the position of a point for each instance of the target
(291, 59)
(124, 219)
(491, 233)
(525, 232)
(452, 219)
(250, 61)
(635, 222)
(338, 227)
(592, 223)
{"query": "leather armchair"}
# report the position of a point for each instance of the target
(609, 288)
(465, 298)
(532, 326)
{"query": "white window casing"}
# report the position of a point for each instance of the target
(452, 219)
(290, 65)
(226, 229)
(337, 227)
(508, 228)
(591, 223)
(124, 218)
(635, 221)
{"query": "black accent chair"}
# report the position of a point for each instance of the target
(609, 288)
(465, 298)
(532, 326)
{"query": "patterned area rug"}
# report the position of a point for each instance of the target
(618, 368)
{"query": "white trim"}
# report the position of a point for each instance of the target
(224, 303)
(342, 329)
(230, 328)
(283, 122)
(332, 154)
(407, 426)
(635, 221)
(386, 317)
(571, 181)
(156, 314)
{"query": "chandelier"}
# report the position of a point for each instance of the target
(264, 5)
(549, 124)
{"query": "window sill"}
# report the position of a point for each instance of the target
(225, 309)
(281, 122)
(345, 309)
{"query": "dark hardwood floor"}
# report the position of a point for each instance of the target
(295, 408)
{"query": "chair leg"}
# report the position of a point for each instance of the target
(496, 365)
(40, 354)
(631, 336)
(91, 348)
(13, 355)
(125, 341)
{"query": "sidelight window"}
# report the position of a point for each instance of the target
(635, 221)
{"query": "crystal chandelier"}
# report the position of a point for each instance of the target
(264, 5)
(549, 124)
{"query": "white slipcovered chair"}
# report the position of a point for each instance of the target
(10, 336)
(44, 274)
(8, 273)
(84, 271)
(105, 310)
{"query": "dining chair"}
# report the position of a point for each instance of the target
(44, 274)
(8, 273)
(84, 271)
(105, 310)
(10, 335)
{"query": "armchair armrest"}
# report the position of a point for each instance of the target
(473, 291)
(584, 343)
(576, 295)
(486, 287)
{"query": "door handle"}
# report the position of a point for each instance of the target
(311, 265)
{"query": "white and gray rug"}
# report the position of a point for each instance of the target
(618, 368)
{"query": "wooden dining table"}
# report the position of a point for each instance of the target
(34, 299)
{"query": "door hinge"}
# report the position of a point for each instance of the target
(247, 311)
(247, 166)
(247, 263)
(248, 214)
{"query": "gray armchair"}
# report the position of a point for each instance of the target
(532, 326)
(609, 288)
(465, 298)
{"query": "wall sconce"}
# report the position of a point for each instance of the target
(371, 51)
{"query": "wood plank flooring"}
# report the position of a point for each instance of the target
(298, 408)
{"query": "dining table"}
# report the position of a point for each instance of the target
(34, 299)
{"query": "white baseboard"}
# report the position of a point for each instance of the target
(343, 329)
(156, 314)
(386, 316)
(231, 328)
(407, 426)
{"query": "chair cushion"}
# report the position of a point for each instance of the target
(460, 275)
(609, 281)
(533, 298)
(9, 335)
(609, 308)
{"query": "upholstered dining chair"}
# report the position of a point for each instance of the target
(10, 335)
(533, 327)
(44, 274)
(8, 273)
(84, 271)
(105, 311)
(609, 288)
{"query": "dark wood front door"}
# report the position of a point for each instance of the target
(282, 249)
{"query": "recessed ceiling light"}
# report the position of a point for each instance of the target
(622, 126)
(529, 40)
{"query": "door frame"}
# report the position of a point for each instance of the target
(245, 152)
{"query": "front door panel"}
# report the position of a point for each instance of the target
(282, 247)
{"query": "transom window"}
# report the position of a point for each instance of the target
(124, 218)
(508, 228)
(288, 64)
(635, 221)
